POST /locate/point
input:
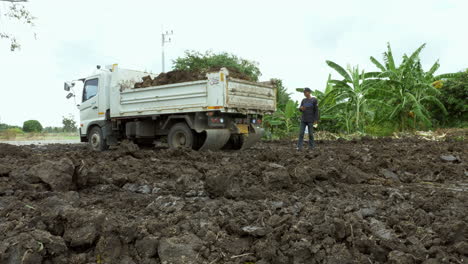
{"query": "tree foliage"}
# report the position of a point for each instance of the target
(17, 12)
(51, 129)
(282, 95)
(32, 126)
(408, 90)
(351, 102)
(284, 123)
(197, 61)
(69, 124)
(4, 126)
(454, 96)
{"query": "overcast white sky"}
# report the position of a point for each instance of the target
(290, 39)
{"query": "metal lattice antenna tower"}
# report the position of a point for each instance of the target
(165, 38)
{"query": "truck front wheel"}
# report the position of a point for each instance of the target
(180, 136)
(96, 140)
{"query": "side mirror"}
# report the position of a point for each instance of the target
(70, 95)
(67, 86)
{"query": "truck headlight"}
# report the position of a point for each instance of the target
(221, 120)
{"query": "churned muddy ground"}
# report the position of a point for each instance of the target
(363, 201)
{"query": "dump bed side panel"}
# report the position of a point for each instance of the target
(164, 99)
(244, 95)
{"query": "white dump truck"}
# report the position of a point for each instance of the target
(215, 113)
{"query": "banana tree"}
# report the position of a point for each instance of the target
(350, 95)
(408, 89)
(283, 123)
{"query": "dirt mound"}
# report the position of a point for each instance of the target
(7, 150)
(178, 76)
(360, 201)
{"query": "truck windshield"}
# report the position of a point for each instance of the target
(90, 89)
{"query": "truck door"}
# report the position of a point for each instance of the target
(89, 106)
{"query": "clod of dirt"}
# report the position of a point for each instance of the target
(31, 247)
(55, 245)
(179, 250)
(431, 261)
(276, 166)
(133, 187)
(147, 247)
(8, 150)
(390, 175)
(307, 175)
(354, 175)
(109, 248)
(166, 204)
(218, 184)
(367, 212)
(4, 171)
(127, 147)
(255, 231)
(398, 257)
(462, 247)
(449, 158)
(380, 230)
(81, 236)
(277, 178)
(57, 174)
(339, 255)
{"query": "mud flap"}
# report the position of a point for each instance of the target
(216, 139)
(253, 137)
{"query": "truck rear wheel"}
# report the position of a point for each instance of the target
(180, 136)
(96, 140)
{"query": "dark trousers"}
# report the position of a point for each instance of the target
(301, 134)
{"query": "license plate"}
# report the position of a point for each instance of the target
(243, 129)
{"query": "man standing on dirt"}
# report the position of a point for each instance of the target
(310, 117)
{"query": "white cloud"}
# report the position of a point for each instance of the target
(290, 39)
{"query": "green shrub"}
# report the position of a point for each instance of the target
(32, 126)
(381, 130)
(197, 61)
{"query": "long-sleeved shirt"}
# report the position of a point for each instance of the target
(311, 112)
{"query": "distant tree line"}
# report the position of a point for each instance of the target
(34, 126)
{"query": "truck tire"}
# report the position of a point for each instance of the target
(180, 136)
(96, 139)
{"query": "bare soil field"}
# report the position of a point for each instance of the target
(361, 201)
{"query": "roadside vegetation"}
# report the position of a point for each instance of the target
(33, 130)
(391, 99)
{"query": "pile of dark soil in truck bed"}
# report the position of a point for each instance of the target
(361, 201)
(178, 76)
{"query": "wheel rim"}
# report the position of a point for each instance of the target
(180, 140)
(95, 140)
